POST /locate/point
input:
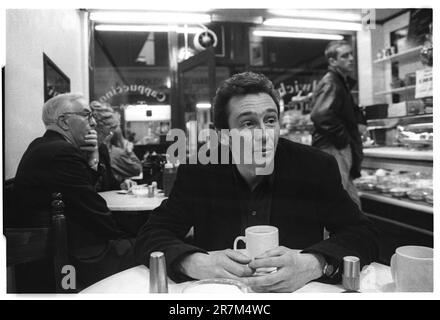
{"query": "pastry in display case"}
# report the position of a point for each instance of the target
(416, 135)
(416, 186)
(296, 127)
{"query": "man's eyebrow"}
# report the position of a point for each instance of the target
(271, 110)
(248, 113)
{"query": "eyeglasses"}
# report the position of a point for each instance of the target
(86, 114)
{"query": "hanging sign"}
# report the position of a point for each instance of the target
(423, 83)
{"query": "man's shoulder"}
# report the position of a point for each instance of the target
(50, 147)
(199, 169)
(55, 143)
(330, 77)
(302, 152)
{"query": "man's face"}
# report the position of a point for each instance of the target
(76, 117)
(344, 60)
(255, 118)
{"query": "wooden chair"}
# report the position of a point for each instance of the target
(26, 245)
(8, 202)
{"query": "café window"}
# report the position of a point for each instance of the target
(132, 69)
(131, 74)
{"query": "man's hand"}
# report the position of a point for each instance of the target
(90, 149)
(127, 184)
(362, 129)
(90, 144)
(295, 269)
(216, 264)
(129, 147)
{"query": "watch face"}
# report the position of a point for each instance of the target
(329, 270)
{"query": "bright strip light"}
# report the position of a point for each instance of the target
(203, 106)
(313, 24)
(301, 35)
(146, 28)
(150, 17)
(318, 14)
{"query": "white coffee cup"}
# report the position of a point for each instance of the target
(412, 269)
(259, 239)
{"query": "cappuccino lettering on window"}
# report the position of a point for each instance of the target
(135, 89)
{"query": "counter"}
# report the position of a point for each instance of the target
(398, 221)
(403, 202)
(399, 153)
(398, 158)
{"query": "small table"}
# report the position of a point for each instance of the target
(129, 211)
(376, 278)
(118, 201)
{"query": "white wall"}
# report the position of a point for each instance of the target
(63, 36)
(365, 69)
(377, 77)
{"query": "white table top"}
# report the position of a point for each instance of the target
(375, 278)
(128, 202)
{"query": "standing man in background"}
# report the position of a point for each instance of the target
(338, 121)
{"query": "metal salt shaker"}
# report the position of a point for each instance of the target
(158, 273)
(351, 274)
(150, 191)
(154, 188)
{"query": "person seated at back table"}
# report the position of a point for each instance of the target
(65, 160)
(300, 196)
(123, 160)
(106, 124)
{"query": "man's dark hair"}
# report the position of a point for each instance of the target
(331, 51)
(240, 84)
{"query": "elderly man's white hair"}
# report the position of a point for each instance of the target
(55, 106)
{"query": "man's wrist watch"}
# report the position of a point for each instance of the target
(329, 270)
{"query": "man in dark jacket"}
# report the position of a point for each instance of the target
(66, 160)
(300, 196)
(338, 121)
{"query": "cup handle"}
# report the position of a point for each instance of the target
(238, 239)
(393, 267)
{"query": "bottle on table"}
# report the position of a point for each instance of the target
(169, 175)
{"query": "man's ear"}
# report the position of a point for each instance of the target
(331, 61)
(62, 123)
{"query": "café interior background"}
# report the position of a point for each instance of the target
(99, 62)
(165, 76)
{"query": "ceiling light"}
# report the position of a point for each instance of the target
(203, 106)
(149, 17)
(319, 14)
(313, 24)
(146, 28)
(301, 35)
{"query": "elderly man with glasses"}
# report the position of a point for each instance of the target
(66, 160)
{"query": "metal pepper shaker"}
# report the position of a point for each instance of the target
(351, 275)
(150, 191)
(158, 273)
